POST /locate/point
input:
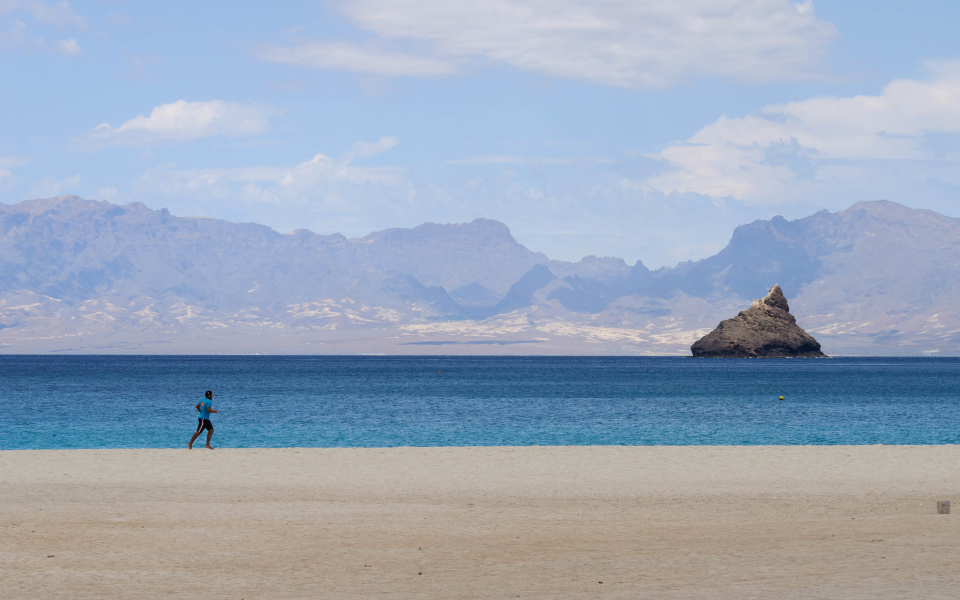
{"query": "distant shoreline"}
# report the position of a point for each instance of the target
(474, 447)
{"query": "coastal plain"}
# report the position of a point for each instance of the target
(700, 522)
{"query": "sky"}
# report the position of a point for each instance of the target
(644, 129)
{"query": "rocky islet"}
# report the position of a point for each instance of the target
(765, 330)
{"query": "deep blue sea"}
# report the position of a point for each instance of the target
(148, 401)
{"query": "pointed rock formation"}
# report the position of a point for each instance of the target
(766, 329)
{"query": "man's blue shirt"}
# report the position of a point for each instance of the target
(205, 406)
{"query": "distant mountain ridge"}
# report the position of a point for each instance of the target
(85, 276)
(87, 245)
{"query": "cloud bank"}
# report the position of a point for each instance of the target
(320, 185)
(623, 43)
(793, 148)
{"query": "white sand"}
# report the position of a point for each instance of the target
(670, 522)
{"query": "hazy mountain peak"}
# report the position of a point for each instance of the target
(473, 295)
(885, 210)
(41, 205)
(603, 262)
(485, 231)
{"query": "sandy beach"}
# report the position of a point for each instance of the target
(534, 522)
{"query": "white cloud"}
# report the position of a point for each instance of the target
(183, 121)
(793, 147)
(68, 47)
(625, 43)
(349, 57)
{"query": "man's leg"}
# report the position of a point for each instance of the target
(209, 435)
(195, 436)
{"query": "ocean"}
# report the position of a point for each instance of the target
(367, 401)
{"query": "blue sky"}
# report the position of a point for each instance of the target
(645, 129)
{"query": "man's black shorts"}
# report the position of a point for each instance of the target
(204, 424)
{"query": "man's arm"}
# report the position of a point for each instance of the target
(198, 407)
(211, 411)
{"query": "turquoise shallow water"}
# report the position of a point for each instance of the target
(147, 402)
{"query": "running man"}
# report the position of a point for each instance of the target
(205, 408)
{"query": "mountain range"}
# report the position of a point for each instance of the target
(85, 276)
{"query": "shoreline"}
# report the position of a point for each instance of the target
(482, 521)
(198, 446)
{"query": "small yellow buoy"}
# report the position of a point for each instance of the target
(781, 397)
